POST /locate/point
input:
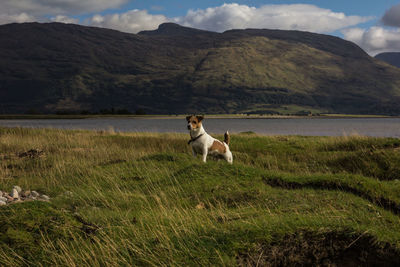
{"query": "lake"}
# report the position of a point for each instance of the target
(380, 127)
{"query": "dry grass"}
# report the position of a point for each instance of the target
(141, 199)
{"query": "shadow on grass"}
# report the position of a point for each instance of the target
(381, 201)
(333, 248)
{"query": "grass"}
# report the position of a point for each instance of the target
(141, 199)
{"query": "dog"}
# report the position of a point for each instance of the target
(204, 144)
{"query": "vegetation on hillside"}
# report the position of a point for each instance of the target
(65, 68)
(141, 199)
(393, 58)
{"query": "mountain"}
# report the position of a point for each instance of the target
(55, 67)
(393, 58)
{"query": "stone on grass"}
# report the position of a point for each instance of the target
(1, 193)
(34, 194)
(25, 193)
(16, 187)
(2, 203)
(45, 198)
(3, 199)
(14, 194)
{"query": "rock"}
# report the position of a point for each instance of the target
(1, 193)
(2, 203)
(14, 194)
(45, 198)
(16, 187)
(25, 193)
(3, 199)
(35, 194)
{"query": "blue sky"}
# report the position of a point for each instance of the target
(372, 24)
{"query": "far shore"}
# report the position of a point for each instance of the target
(209, 116)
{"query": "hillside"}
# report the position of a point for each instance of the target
(63, 67)
(392, 58)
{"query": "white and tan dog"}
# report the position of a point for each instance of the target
(204, 144)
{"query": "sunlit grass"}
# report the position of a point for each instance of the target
(141, 199)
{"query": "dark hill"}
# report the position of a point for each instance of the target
(174, 69)
(393, 58)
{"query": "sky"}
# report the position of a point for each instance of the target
(372, 24)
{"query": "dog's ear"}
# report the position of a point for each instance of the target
(200, 118)
(188, 118)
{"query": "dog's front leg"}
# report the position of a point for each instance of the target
(194, 152)
(205, 152)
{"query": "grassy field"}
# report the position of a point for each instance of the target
(141, 199)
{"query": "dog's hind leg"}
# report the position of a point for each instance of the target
(228, 157)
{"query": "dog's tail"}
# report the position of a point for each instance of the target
(227, 138)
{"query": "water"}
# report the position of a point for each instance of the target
(380, 127)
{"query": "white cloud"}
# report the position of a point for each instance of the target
(132, 21)
(392, 16)
(51, 7)
(221, 18)
(286, 17)
(19, 18)
(235, 16)
(375, 40)
(64, 19)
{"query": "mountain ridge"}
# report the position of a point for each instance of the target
(58, 67)
(392, 58)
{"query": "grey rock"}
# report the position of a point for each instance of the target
(35, 194)
(3, 199)
(16, 187)
(1, 193)
(2, 203)
(25, 193)
(44, 197)
(14, 194)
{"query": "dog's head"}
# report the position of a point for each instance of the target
(194, 122)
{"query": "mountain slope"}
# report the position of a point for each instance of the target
(393, 58)
(174, 69)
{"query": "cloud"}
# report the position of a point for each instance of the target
(132, 21)
(59, 7)
(19, 18)
(392, 16)
(287, 17)
(64, 19)
(221, 18)
(235, 16)
(374, 40)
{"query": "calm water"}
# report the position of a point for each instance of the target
(383, 127)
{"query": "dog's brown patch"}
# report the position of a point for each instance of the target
(195, 121)
(218, 146)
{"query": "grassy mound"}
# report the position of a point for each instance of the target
(141, 199)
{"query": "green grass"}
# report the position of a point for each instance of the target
(141, 199)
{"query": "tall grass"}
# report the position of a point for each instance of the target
(141, 199)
